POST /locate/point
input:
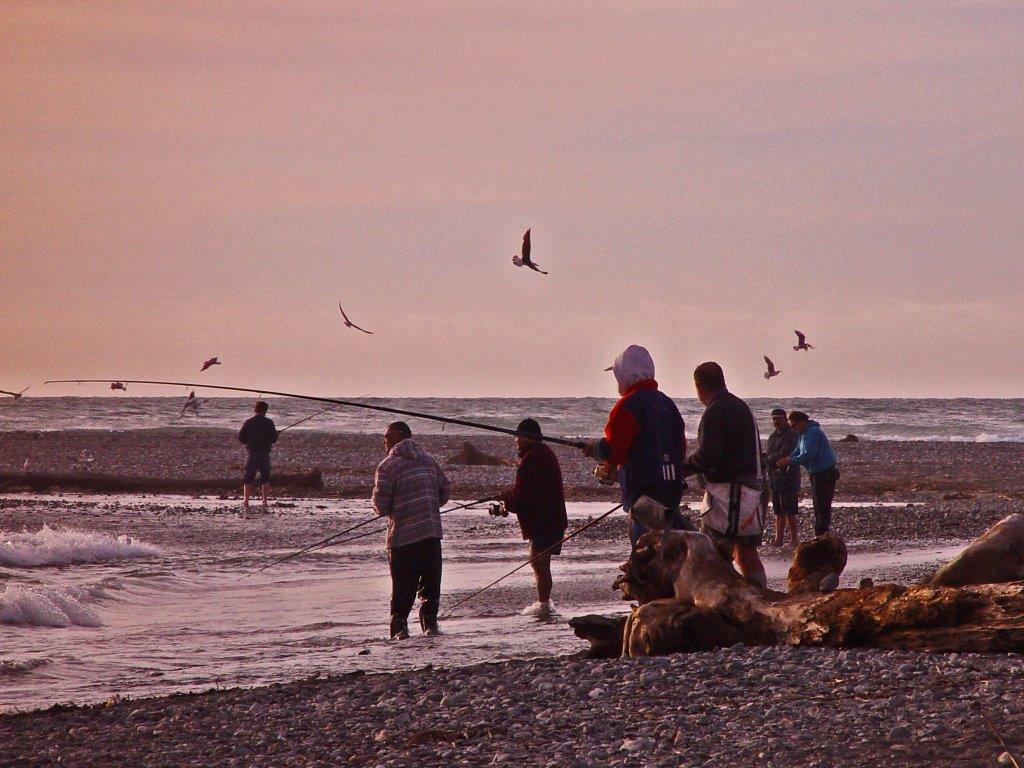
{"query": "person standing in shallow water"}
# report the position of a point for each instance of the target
(784, 483)
(814, 453)
(410, 488)
(258, 434)
(538, 499)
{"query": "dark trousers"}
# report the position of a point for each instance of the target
(415, 568)
(823, 489)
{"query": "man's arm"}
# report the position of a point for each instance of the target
(515, 496)
(383, 492)
(619, 434)
(805, 452)
(273, 432)
(710, 448)
(444, 490)
(243, 434)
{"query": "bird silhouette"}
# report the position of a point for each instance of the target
(15, 395)
(118, 385)
(801, 342)
(210, 362)
(771, 368)
(350, 324)
(524, 259)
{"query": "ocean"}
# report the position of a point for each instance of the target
(976, 420)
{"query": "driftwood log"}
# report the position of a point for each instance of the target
(472, 456)
(45, 481)
(691, 599)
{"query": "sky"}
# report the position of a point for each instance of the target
(183, 180)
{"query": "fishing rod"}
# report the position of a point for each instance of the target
(303, 421)
(325, 542)
(535, 558)
(336, 401)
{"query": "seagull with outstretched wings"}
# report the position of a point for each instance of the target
(118, 385)
(801, 342)
(523, 260)
(771, 368)
(15, 395)
(349, 323)
(209, 363)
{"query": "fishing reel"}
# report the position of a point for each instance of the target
(605, 475)
(497, 509)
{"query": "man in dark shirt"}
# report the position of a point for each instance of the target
(258, 434)
(727, 452)
(785, 483)
(538, 499)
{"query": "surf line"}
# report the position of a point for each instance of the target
(337, 402)
(326, 542)
(538, 556)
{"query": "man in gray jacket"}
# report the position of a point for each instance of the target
(409, 489)
(785, 483)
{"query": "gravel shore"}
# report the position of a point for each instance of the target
(737, 706)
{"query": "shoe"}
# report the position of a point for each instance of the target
(539, 609)
(432, 631)
(402, 634)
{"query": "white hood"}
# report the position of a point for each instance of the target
(633, 364)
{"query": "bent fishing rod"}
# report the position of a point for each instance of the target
(337, 402)
(535, 558)
(327, 541)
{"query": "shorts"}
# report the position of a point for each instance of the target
(721, 539)
(257, 464)
(786, 501)
(541, 542)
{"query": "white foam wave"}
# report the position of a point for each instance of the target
(50, 546)
(37, 606)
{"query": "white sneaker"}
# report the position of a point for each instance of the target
(538, 609)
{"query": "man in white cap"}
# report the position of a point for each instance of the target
(644, 441)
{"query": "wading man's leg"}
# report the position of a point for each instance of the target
(246, 493)
(430, 585)
(405, 573)
(542, 573)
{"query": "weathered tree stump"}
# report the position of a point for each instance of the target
(472, 456)
(692, 599)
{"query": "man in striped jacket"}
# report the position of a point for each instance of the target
(409, 489)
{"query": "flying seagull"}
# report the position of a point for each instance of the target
(191, 404)
(350, 324)
(524, 260)
(15, 395)
(771, 368)
(801, 342)
(118, 385)
(208, 363)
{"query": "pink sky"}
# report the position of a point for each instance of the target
(188, 180)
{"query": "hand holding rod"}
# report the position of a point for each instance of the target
(325, 542)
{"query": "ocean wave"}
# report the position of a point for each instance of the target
(51, 546)
(36, 606)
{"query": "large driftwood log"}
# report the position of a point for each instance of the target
(692, 599)
(472, 456)
(44, 481)
(996, 557)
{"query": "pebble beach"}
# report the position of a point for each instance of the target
(766, 706)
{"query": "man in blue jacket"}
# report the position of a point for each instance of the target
(814, 453)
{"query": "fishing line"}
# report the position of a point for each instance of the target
(538, 556)
(336, 401)
(303, 421)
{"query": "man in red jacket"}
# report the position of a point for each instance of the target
(538, 499)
